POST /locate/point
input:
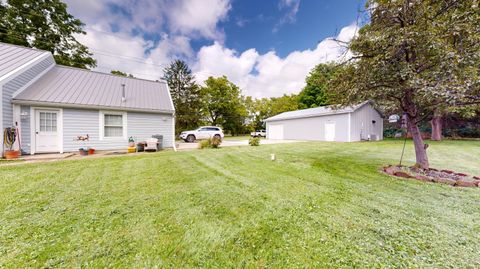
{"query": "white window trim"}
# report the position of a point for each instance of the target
(101, 128)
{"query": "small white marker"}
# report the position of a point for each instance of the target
(272, 157)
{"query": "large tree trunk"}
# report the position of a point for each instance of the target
(436, 123)
(410, 108)
(420, 147)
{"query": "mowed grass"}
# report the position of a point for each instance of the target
(320, 205)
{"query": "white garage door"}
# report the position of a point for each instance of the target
(275, 131)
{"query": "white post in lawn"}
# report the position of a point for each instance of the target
(272, 157)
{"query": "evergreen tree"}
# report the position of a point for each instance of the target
(186, 95)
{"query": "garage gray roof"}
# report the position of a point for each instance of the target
(314, 112)
(66, 86)
(13, 57)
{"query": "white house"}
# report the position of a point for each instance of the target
(51, 105)
(356, 123)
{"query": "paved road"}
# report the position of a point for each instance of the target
(232, 143)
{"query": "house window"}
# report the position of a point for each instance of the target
(48, 122)
(113, 125)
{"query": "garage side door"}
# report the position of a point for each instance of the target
(275, 131)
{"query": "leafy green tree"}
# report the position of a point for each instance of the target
(186, 95)
(120, 73)
(413, 56)
(224, 105)
(283, 104)
(263, 108)
(258, 110)
(45, 24)
(314, 94)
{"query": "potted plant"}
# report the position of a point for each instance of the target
(10, 136)
(91, 151)
(131, 142)
(83, 152)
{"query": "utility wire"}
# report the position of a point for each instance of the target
(109, 54)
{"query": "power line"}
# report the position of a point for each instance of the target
(97, 51)
(107, 54)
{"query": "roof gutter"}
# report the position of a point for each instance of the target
(81, 106)
(308, 116)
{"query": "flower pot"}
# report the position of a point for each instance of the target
(11, 154)
(91, 151)
(83, 152)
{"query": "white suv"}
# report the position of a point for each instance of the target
(204, 132)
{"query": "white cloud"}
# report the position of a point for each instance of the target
(199, 17)
(215, 60)
(147, 15)
(195, 18)
(177, 23)
(134, 55)
(258, 75)
(292, 7)
(268, 74)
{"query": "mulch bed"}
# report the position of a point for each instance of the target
(434, 175)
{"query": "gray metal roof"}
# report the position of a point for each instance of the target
(66, 86)
(314, 112)
(13, 57)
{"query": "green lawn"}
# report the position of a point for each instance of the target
(240, 137)
(318, 205)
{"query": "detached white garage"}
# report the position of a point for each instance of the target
(356, 123)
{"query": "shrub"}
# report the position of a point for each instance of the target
(215, 142)
(204, 144)
(210, 143)
(254, 141)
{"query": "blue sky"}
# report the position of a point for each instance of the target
(314, 21)
(265, 46)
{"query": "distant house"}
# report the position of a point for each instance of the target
(52, 105)
(356, 123)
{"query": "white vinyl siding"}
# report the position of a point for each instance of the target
(12, 85)
(363, 123)
(363, 126)
(140, 126)
(25, 128)
(310, 128)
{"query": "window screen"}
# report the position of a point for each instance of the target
(113, 125)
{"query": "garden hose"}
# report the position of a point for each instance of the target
(9, 137)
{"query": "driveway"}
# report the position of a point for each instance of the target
(232, 143)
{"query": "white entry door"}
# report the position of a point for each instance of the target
(275, 131)
(46, 131)
(330, 131)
